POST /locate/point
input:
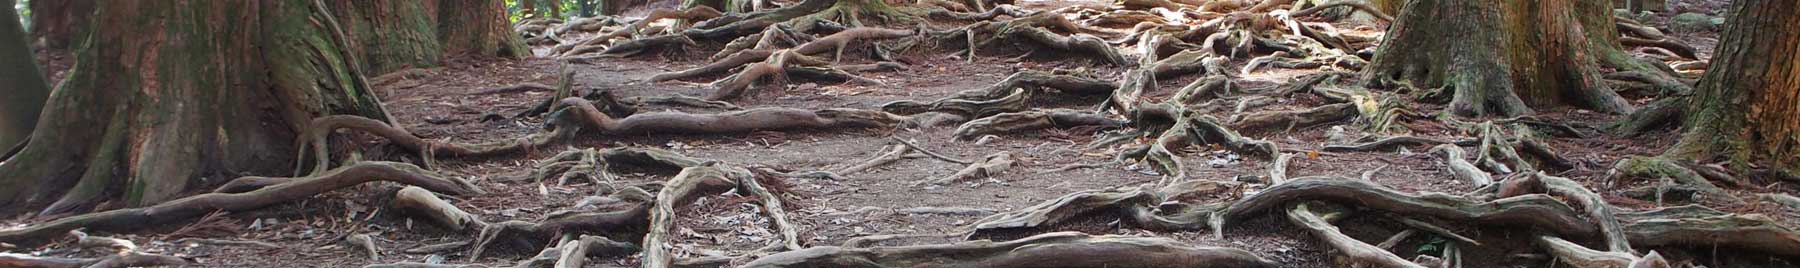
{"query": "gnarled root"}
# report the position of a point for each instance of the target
(572, 164)
(989, 166)
(1019, 122)
(425, 204)
(1535, 211)
(1356, 253)
(1384, 144)
(1699, 227)
(700, 180)
(835, 43)
(1654, 167)
(294, 188)
(1579, 256)
(1459, 166)
(130, 259)
(1066, 249)
(1289, 120)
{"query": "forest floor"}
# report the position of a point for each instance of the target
(444, 103)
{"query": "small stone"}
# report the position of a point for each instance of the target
(1218, 162)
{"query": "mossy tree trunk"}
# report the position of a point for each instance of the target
(175, 96)
(59, 22)
(25, 88)
(478, 27)
(391, 34)
(1502, 58)
(1747, 106)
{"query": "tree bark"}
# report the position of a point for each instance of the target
(25, 89)
(478, 27)
(1505, 57)
(391, 35)
(170, 97)
(58, 23)
(1747, 106)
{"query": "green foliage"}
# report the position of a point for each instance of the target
(24, 10)
(1433, 247)
(569, 8)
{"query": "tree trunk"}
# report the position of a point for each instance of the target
(1504, 57)
(1747, 107)
(478, 27)
(25, 89)
(171, 96)
(527, 8)
(58, 23)
(391, 34)
(584, 8)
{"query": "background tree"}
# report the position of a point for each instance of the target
(1747, 106)
(25, 89)
(390, 35)
(1503, 57)
(478, 27)
(148, 112)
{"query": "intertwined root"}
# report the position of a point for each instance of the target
(1066, 249)
(272, 191)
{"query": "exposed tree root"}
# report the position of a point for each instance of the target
(1699, 227)
(1278, 169)
(425, 204)
(1289, 120)
(1453, 157)
(582, 115)
(888, 155)
(989, 166)
(186, 208)
(1579, 256)
(1683, 50)
(1356, 253)
(1008, 95)
(573, 164)
(131, 259)
(707, 179)
(366, 243)
(1019, 122)
(1384, 144)
(1652, 167)
(516, 88)
(835, 43)
(1534, 211)
(1067, 249)
(916, 147)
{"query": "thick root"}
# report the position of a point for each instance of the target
(1067, 249)
(989, 166)
(132, 259)
(425, 204)
(194, 206)
(1356, 253)
(1021, 122)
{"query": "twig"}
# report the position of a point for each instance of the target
(916, 147)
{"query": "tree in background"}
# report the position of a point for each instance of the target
(25, 88)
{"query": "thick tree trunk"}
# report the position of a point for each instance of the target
(1747, 107)
(170, 96)
(391, 34)
(59, 22)
(25, 88)
(478, 27)
(1503, 57)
